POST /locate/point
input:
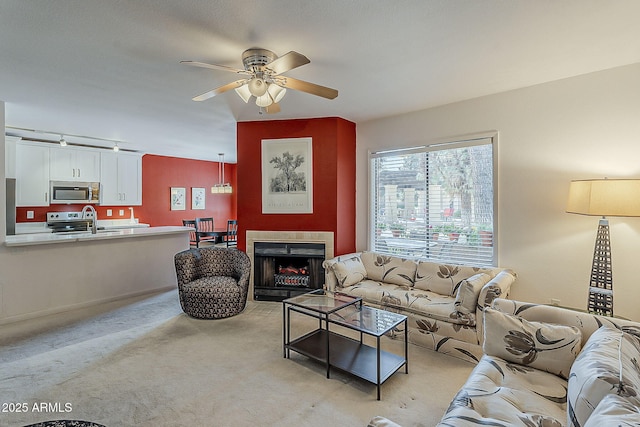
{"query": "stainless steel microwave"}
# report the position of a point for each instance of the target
(66, 192)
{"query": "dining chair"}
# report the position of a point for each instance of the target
(232, 232)
(204, 230)
(193, 235)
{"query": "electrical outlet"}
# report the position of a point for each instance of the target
(121, 212)
(109, 212)
(554, 301)
(29, 214)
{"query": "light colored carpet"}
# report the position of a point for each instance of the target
(142, 362)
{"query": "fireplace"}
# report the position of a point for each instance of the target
(286, 263)
(285, 269)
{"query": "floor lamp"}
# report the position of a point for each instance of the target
(603, 197)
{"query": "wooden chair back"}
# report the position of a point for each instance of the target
(232, 232)
(193, 235)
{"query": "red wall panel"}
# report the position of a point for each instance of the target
(333, 178)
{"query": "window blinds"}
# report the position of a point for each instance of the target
(435, 202)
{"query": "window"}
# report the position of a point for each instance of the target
(435, 202)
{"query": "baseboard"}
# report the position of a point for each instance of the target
(85, 304)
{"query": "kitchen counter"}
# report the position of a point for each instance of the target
(45, 273)
(139, 230)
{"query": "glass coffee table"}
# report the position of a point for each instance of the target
(337, 350)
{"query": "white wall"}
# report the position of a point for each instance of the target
(582, 127)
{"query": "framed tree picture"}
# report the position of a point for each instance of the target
(197, 198)
(287, 176)
(178, 196)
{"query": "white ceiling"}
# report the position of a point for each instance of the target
(111, 68)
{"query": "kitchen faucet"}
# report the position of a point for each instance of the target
(94, 228)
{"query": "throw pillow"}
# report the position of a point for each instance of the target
(389, 269)
(596, 372)
(442, 279)
(349, 271)
(614, 410)
(545, 346)
(468, 292)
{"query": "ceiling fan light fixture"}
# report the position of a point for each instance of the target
(264, 100)
(244, 92)
(276, 92)
(257, 86)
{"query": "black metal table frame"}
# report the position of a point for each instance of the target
(327, 335)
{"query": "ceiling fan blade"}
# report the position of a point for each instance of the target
(313, 89)
(215, 67)
(273, 108)
(286, 62)
(219, 90)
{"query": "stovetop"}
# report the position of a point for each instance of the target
(53, 217)
(67, 222)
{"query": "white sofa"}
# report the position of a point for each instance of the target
(547, 366)
(441, 301)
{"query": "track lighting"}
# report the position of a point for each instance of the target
(63, 142)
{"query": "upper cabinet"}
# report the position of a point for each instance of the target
(32, 175)
(35, 164)
(10, 156)
(121, 179)
(74, 164)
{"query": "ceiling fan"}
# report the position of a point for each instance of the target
(264, 80)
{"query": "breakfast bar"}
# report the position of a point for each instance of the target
(45, 273)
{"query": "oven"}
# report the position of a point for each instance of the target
(65, 222)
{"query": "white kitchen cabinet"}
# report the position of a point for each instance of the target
(32, 175)
(121, 179)
(73, 164)
(10, 156)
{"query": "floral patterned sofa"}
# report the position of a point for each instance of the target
(442, 302)
(547, 366)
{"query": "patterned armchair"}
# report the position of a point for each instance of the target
(212, 282)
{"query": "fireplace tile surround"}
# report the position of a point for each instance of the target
(252, 236)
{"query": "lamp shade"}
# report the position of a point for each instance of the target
(604, 197)
(276, 92)
(257, 87)
(264, 100)
(244, 93)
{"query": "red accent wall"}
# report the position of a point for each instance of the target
(334, 178)
(159, 174)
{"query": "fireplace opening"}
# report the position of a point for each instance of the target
(283, 270)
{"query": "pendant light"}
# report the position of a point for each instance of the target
(222, 187)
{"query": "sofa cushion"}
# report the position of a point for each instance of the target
(389, 269)
(596, 372)
(435, 306)
(501, 393)
(442, 278)
(614, 410)
(545, 346)
(349, 271)
(468, 292)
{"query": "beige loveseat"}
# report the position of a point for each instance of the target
(547, 366)
(442, 301)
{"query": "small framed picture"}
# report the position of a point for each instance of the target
(178, 196)
(197, 198)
